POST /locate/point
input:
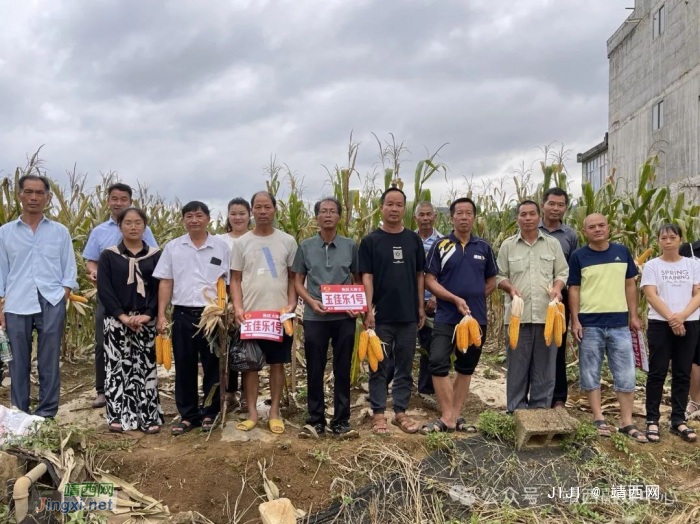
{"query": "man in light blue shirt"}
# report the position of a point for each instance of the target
(37, 273)
(426, 216)
(107, 234)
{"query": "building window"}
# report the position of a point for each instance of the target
(657, 116)
(659, 21)
(597, 170)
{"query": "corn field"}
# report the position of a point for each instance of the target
(634, 216)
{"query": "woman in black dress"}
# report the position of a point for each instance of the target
(129, 294)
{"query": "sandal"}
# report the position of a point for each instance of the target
(152, 430)
(436, 427)
(207, 423)
(246, 425)
(632, 432)
(463, 427)
(115, 427)
(653, 434)
(379, 426)
(404, 423)
(276, 426)
(603, 428)
(181, 428)
(684, 433)
(692, 410)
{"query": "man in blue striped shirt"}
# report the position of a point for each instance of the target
(37, 273)
(107, 234)
(426, 216)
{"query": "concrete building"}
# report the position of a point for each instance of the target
(654, 105)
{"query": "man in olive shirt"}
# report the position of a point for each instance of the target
(327, 259)
(528, 263)
(554, 205)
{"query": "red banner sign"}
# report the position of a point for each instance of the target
(264, 325)
(343, 298)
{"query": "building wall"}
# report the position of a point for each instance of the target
(644, 70)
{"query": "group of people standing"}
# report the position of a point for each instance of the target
(417, 284)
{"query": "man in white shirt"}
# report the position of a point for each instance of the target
(189, 268)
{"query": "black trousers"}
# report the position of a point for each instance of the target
(188, 346)
(425, 379)
(341, 334)
(561, 387)
(664, 347)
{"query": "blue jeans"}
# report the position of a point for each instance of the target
(616, 342)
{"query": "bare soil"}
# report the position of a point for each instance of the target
(200, 472)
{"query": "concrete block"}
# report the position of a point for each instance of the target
(542, 427)
(278, 511)
(9, 469)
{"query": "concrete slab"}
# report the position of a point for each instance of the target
(260, 433)
(542, 427)
(278, 511)
(79, 412)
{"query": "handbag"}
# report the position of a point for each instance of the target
(244, 355)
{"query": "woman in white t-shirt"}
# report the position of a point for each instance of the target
(237, 224)
(671, 284)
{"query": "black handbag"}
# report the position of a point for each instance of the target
(244, 355)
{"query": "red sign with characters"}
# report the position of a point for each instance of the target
(343, 298)
(264, 325)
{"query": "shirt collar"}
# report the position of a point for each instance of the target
(542, 226)
(472, 238)
(540, 234)
(324, 243)
(43, 219)
(188, 241)
(122, 249)
(434, 235)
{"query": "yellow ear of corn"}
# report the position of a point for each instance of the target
(474, 332)
(77, 298)
(462, 336)
(562, 310)
(221, 293)
(363, 345)
(558, 331)
(373, 362)
(159, 349)
(514, 331)
(375, 347)
(287, 324)
(167, 353)
(549, 323)
(643, 257)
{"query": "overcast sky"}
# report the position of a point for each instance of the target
(193, 97)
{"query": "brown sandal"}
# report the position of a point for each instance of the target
(379, 426)
(405, 423)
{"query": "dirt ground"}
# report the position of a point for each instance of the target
(221, 478)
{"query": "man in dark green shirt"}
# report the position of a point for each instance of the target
(327, 259)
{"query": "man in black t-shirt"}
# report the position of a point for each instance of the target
(692, 410)
(392, 262)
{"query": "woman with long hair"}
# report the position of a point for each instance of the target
(237, 225)
(671, 284)
(129, 293)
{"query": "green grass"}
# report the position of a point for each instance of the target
(497, 425)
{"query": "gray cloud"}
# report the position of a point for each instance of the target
(193, 98)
